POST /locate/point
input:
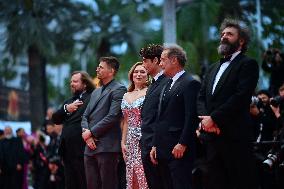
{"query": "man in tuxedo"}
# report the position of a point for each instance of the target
(151, 55)
(223, 108)
(71, 147)
(177, 120)
(101, 128)
(13, 160)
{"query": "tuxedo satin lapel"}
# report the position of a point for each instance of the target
(212, 77)
(226, 73)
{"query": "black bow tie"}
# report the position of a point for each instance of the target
(227, 59)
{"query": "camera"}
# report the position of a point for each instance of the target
(276, 101)
(275, 156)
(271, 160)
(254, 100)
(257, 102)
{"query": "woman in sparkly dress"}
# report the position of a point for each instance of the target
(131, 132)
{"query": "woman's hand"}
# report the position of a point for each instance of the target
(124, 150)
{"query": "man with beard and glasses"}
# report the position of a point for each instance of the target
(223, 108)
(71, 147)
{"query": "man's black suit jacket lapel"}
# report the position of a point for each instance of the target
(152, 88)
(212, 77)
(224, 75)
(174, 89)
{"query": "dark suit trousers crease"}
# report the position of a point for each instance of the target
(101, 170)
(152, 173)
(230, 165)
(176, 173)
(74, 173)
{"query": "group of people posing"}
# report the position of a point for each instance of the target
(154, 122)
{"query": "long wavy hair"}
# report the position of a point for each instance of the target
(131, 86)
(86, 79)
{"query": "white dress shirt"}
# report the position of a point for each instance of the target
(175, 78)
(222, 69)
(158, 75)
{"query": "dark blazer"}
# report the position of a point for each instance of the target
(177, 117)
(102, 117)
(13, 153)
(229, 104)
(71, 143)
(149, 113)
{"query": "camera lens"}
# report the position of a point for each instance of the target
(269, 162)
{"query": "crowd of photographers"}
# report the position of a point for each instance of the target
(267, 111)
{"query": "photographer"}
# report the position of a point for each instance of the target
(263, 116)
(272, 166)
(266, 149)
(273, 63)
(277, 105)
(54, 175)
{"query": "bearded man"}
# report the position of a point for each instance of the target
(223, 108)
(71, 147)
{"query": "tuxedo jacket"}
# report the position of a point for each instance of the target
(102, 118)
(12, 153)
(149, 113)
(177, 117)
(228, 106)
(71, 141)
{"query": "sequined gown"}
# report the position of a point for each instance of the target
(134, 166)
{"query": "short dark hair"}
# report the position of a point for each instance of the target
(265, 92)
(178, 52)
(112, 62)
(151, 51)
(243, 31)
(19, 129)
(86, 79)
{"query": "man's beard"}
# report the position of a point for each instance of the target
(226, 48)
(9, 136)
(77, 93)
